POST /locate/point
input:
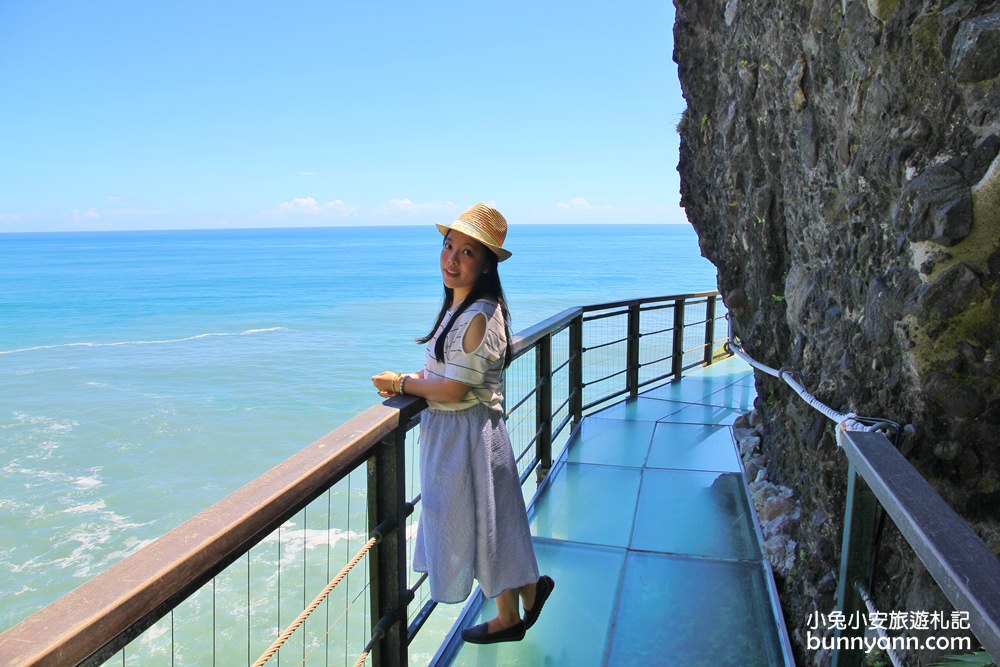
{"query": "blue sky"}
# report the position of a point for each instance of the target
(141, 115)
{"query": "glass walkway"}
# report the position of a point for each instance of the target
(646, 526)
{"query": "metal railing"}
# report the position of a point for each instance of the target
(880, 479)
(247, 566)
(964, 567)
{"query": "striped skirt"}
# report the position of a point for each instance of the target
(472, 523)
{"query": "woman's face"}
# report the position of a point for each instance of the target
(463, 260)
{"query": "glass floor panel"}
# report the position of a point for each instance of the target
(573, 626)
(693, 447)
(693, 612)
(641, 409)
(704, 414)
(734, 396)
(733, 368)
(690, 389)
(588, 503)
(695, 513)
(611, 442)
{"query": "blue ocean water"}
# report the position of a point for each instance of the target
(145, 375)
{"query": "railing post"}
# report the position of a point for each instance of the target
(709, 330)
(386, 503)
(677, 357)
(543, 406)
(632, 368)
(576, 369)
(860, 513)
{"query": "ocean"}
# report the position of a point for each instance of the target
(146, 375)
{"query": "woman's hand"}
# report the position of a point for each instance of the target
(441, 390)
(386, 383)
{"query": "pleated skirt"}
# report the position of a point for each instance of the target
(473, 523)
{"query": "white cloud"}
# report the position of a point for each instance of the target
(407, 205)
(581, 204)
(577, 203)
(311, 206)
(307, 205)
(89, 214)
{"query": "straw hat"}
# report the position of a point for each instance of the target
(483, 223)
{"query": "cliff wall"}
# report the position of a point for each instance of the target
(839, 161)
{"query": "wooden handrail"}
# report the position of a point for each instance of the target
(87, 621)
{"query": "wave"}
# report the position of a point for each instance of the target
(248, 332)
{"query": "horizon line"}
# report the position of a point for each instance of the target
(303, 227)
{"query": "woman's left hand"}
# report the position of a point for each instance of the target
(385, 383)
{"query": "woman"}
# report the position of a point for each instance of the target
(473, 522)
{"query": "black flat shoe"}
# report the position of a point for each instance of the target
(543, 589)
(478, 634)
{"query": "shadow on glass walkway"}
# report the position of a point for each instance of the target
(646, 526)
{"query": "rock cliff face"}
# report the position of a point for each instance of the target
(839, 161)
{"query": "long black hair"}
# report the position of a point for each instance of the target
(487, 286)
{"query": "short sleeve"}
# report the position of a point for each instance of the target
(471, 367)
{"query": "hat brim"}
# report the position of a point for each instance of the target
(468, 230)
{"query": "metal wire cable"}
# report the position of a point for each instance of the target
(845, 421)
(301, 618)
(378, 634)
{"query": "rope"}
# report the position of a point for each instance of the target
(318, 643)
(866, 597)
(301, 618)
(361, 659)
(848, 421)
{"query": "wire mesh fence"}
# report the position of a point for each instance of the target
(605, 346)
(234, 617)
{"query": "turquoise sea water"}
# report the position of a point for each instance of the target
(145, 375)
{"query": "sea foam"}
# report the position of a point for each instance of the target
(248, 332)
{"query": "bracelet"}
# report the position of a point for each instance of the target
(395, 382)
(402, 383)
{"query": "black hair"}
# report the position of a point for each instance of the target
(488, 285)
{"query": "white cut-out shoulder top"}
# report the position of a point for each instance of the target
(481, 369)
